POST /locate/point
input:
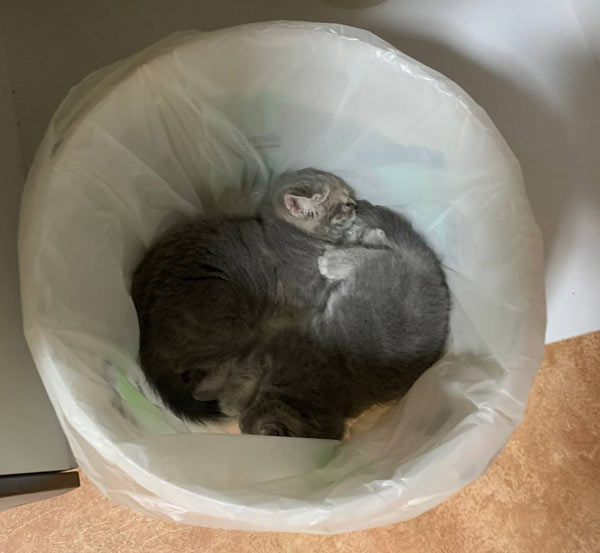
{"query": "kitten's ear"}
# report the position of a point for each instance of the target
(298, 206)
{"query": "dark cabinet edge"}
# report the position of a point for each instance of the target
(19, 489)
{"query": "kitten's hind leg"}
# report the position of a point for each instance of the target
(297, 394)
(206, 391)
(274, 417)
(211, 385)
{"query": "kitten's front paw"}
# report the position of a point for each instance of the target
(334, 265)
(375, 237)
(272, 429)
(266, 425)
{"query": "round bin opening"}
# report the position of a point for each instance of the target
(200, 123)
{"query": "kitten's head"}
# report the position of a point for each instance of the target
(316, 202)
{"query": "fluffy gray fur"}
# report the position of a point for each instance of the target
(210, 291)
(382, 326)
(296, 320)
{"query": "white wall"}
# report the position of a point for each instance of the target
(588, 13)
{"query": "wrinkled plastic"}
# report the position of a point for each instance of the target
(199, 123)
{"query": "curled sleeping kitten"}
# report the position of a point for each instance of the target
(395, 284)
(210, 292)
(384, 323)
(293, 321)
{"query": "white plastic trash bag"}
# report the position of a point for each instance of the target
(199, 123)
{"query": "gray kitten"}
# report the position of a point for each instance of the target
(294, 321)
(383, 324)
(209, 292)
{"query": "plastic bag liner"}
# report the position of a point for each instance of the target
(200, 123)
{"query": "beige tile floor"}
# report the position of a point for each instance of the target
(542, 494)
